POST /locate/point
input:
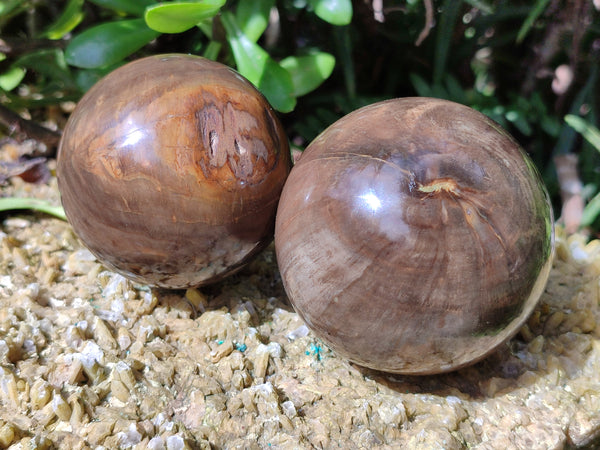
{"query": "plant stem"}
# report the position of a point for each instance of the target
(15, 203)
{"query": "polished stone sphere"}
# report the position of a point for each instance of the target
(170, 170)
(414, 236)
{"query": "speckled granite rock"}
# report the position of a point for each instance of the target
(89, 360)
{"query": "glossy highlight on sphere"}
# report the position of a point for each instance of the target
(414, 236)
(170, 169)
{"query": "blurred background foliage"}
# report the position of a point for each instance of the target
(531, 65)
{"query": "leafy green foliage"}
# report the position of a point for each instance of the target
(108, 43)
(130, 25)
(537, 9)
(257, 66)
(586, 129)
(253, 17)
(133, 7)
(10, 9)
(309, 71)
(12, 78)
(450, 12)
(50, 64)
(177, 17)
(336, 12)
(591, 212)
(69, 19)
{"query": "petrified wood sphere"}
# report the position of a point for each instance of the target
(170, 169)
(414, 236)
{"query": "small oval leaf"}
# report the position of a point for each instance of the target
(336, 12)
(253, 17)
(11, 78)
(309, 71)
(108, 43)
(177, 17)
(276, 85)
(134, 7)
(254, 63)
(86, 78)
(68, 20)
(49, 62)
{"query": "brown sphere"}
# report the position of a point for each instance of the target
(414, 236)
(170, 169)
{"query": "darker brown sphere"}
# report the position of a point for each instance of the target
(170, 169)
(414, 236)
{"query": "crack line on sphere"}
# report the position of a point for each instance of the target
(408, 173)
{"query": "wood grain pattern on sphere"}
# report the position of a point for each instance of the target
(414, 236)
(170, 170)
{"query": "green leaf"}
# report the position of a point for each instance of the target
(11, 78)
(68, 20)
(586, 129)
(538, 8)
(259, 68)
(308, 72)
(177, 17)
(276, 85)
(421, 86)
(10, 6)
(519, 120)
(134, 7)
(455, 90)
(15, 203)
(590, 212)
(86, 78)
(108, 43)
(336, 12)
(450, 12)
(206, 26)
(49, 62)
(212, 50)
(344, 51)
(252, 17)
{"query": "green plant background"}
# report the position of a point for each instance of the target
(316, 60)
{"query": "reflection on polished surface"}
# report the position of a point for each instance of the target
(170, 169)
(427, 246)
(370, 201)
(133, 134)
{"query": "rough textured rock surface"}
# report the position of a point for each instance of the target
(90, 360)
